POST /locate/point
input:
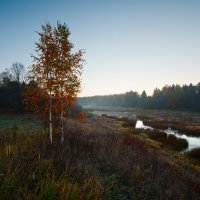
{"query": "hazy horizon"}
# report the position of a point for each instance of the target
(148, 94)
(129, 45)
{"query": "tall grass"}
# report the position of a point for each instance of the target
(31, 168)
(177, 144)
(194, 154)
(176, 125)
(169, 141)
(92, 163)
(147, 173)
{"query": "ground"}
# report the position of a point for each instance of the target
(101, 158)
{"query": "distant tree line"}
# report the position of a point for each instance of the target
(169, 97)
(12, 82)
(187, 97)
(50, 87)
(13, 88)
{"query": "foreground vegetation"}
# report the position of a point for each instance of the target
(95, 161)
(170, 141)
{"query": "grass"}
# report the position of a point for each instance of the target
(170, 141)
(193, 130)
(32, 169)
(177, 144)
(93, 163)
(194, 154)
(157, 124)
(21, 121)
(188, 130)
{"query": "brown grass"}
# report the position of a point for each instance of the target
(169, 141)
(152, 176)
(182, 127)
(177, 144)
(92, 163)
(194, 154)
(156, 124)
(188, 130)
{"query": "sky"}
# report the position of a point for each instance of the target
(129, 44)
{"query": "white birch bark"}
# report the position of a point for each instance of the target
(50, 121)
(61, 125)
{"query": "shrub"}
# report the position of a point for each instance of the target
(156, 135)
(133, 141)
(194, 153)
(170, 141)
(156, 124)
(176, 143)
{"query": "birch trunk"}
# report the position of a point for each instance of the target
(50, 120)
(61, 125)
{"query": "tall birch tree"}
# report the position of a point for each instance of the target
(56, 70)
(43, 69)
(68, 71)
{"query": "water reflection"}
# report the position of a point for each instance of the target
(139, 124)
(193, 142)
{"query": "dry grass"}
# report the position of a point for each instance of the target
(169, 141)
(149, 173)
(177, 144)
(92, 163)
(188, 130)
(157, 124)
(188, 125)
(194, 154)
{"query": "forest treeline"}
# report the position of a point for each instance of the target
(12, 86)
(186, 97)
(50, 88)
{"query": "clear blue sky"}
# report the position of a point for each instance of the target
(129, 44)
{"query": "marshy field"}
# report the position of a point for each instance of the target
(107, 108)
(102, 157)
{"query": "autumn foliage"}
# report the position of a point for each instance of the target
(56, 73)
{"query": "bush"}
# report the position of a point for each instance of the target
(194, 154)
(156, 124)
(156, 135)
(170, 141)
(176, 143)
(193, 131)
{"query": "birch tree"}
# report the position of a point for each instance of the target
(68, 71)
(43, 69)
(56, 70)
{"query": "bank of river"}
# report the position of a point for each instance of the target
(193, 142)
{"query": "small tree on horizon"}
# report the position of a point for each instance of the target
(18, 72)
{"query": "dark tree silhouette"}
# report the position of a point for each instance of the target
(18, 71)
(186, 97)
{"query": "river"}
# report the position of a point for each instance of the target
(193, 142)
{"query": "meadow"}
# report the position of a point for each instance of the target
(101, 158)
